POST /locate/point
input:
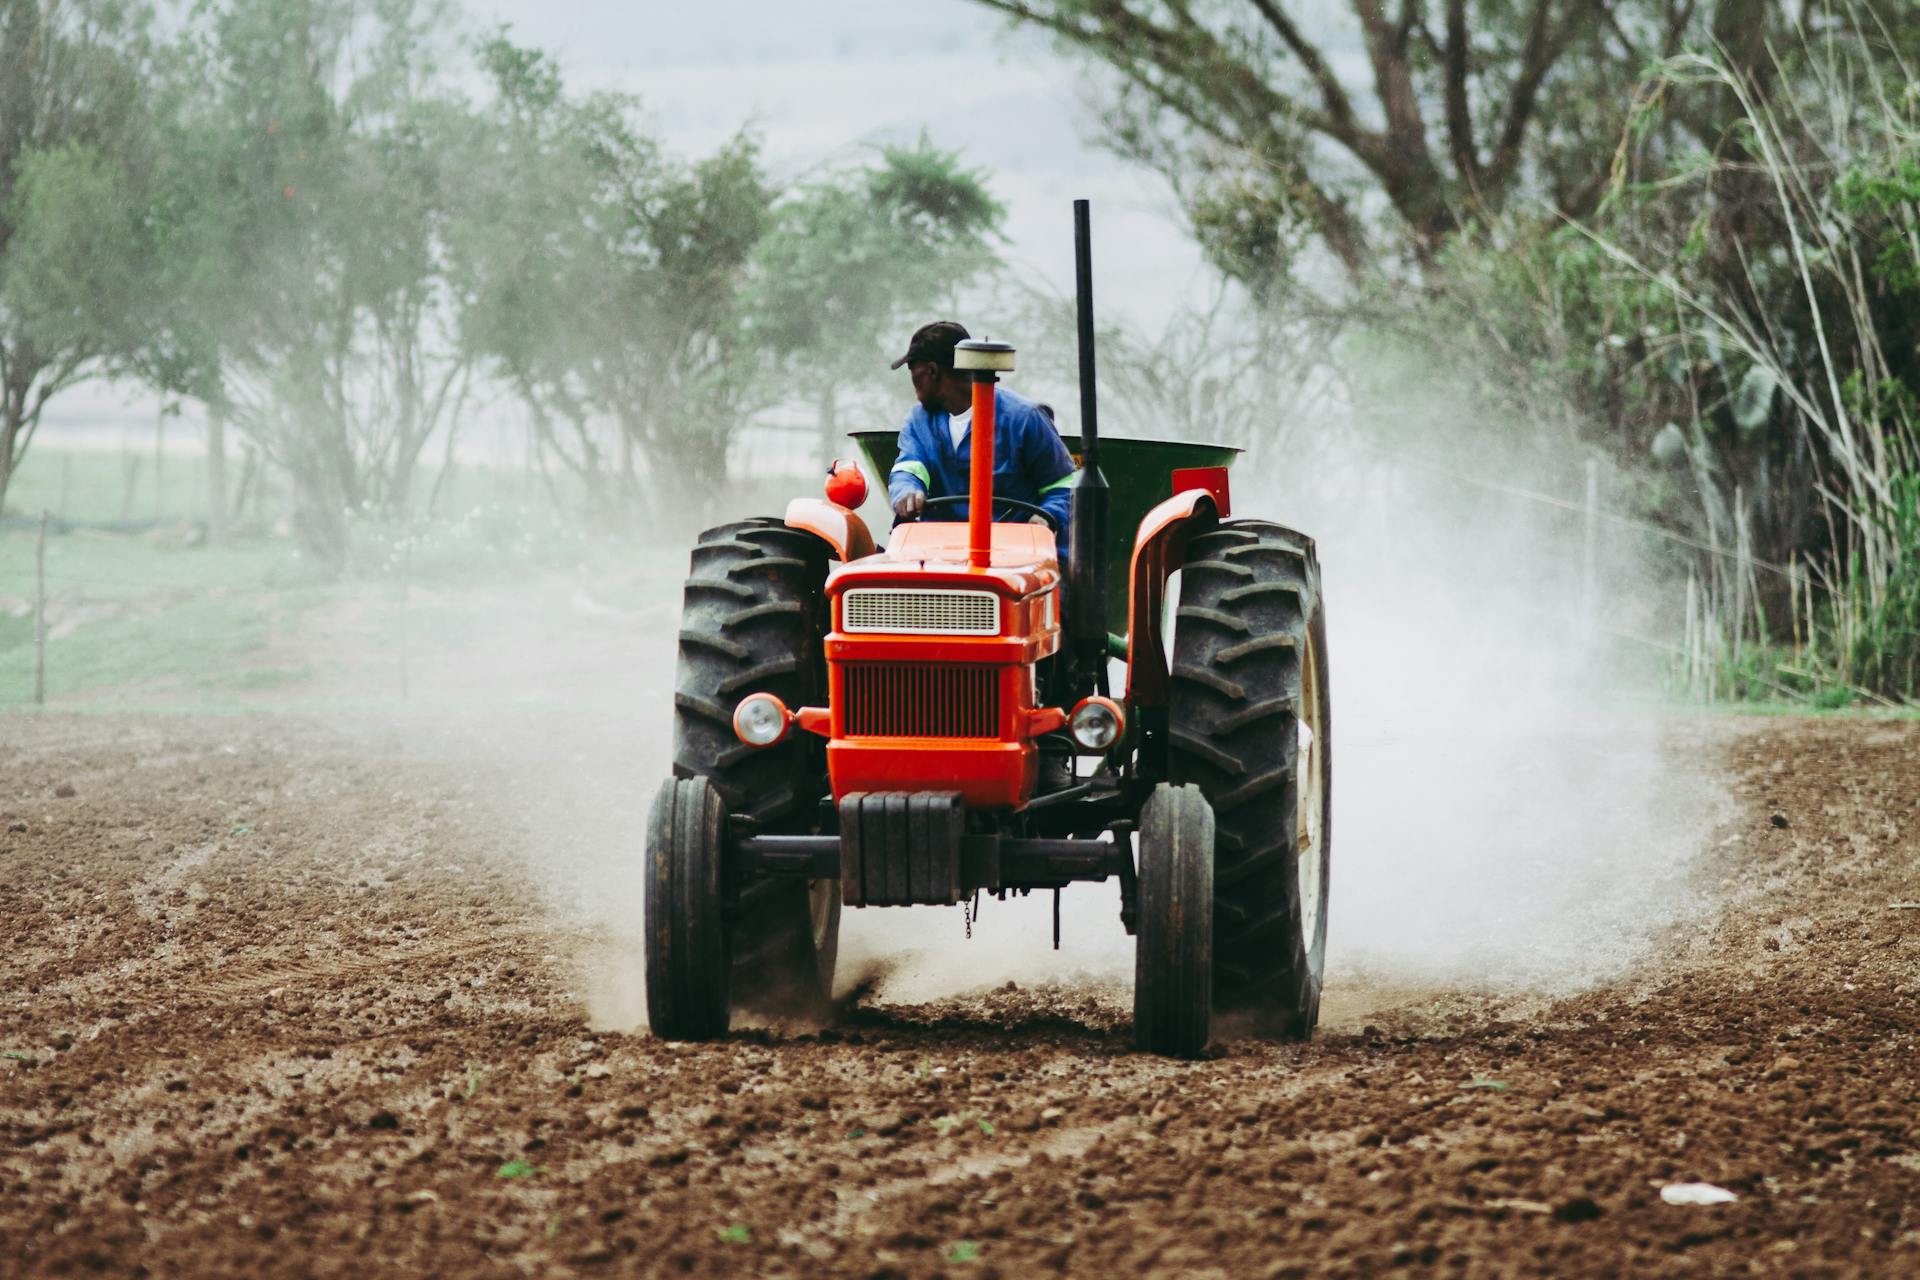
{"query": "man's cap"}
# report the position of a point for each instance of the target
(934, 342)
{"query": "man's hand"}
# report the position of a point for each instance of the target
(911, 504)
(1040, 520)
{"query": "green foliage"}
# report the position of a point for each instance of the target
(856, 261)
(604, 281)
(1883, 650)
(1862, 645)
(1883, 195)
(301, 193)
(518, 1169)
(76, 260)
(74, 83)
(1248, 232)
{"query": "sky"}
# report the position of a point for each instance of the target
(820, 80)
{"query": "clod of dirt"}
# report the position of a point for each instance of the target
(593, 1256)
(1780, 820)
(1578, 1209)
(65, 791)
(17, 827)
(892, 1122)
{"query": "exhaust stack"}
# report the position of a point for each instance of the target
(986, 360)
(1086, 603)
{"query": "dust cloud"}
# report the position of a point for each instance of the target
(1510, 812)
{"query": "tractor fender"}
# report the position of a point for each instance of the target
(839, 528)
(1159, 548)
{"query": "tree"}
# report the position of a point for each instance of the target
(302, 203)
(1274, 145)
(72, 149)
(854, 262)
(603, 280)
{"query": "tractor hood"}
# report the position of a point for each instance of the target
(929, 552)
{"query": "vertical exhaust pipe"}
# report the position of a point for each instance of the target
(985, 360)
(1086, 605)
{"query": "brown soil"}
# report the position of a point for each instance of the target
(276, 1004)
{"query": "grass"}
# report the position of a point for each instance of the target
(119, 566)
(197, 641)
(146, 612)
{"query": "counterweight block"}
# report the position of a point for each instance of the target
(900, 848)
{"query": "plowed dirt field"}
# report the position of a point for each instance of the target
(276, 1003)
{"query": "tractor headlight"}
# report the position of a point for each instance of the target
(1096, 724)
(761, 720)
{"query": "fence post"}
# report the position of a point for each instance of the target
(40, 613)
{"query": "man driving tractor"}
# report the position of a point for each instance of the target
(1031, 464)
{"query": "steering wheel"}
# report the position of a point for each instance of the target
(1014, 503)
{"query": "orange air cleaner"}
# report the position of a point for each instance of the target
(985, 359)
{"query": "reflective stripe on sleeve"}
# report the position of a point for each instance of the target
(1064, 482)
(916, 470)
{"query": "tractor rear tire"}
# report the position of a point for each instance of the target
(755, 620)
(1173, 949)
(688, 967)
(1249, 724)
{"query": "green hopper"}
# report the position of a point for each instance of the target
(1139, 473)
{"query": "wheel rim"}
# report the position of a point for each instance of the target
(820, 911)
(1310, 794)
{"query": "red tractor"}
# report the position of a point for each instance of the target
(926, 723)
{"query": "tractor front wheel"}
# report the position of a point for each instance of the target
(755, 621)
(688, 965)
(1173, 956)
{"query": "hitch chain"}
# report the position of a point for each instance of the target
(969, 911)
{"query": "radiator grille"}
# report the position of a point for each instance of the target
(918, 611)
(922, 702)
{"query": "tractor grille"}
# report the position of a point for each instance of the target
(922, 701)
(918, 611)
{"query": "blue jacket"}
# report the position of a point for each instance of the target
(1030, 462)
